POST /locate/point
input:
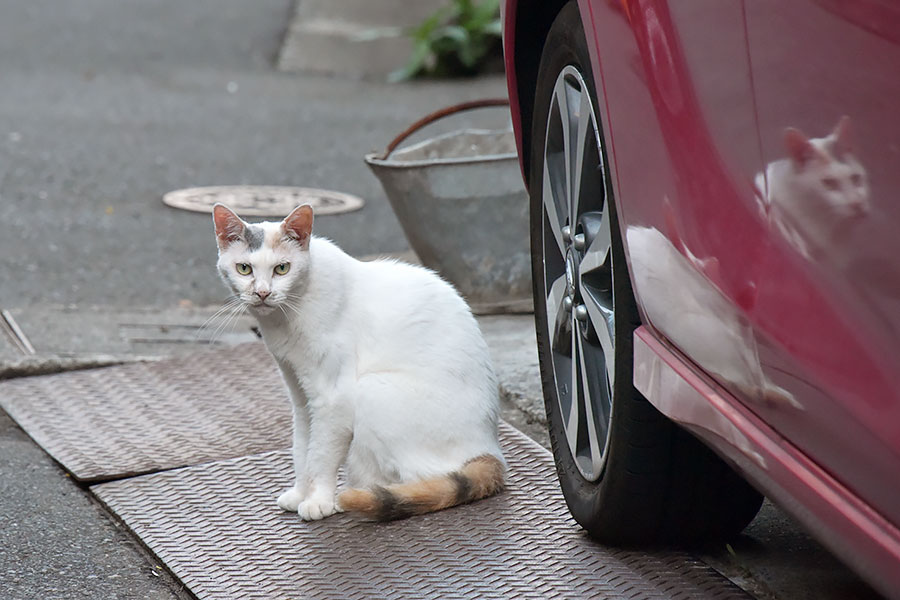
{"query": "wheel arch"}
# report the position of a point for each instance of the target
(530, 21)
(527, 25)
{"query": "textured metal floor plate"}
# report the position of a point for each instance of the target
(217, 528)
(109, 423)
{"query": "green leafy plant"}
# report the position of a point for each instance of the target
(462, 38)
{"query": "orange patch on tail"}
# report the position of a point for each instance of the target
(486, 473)
(478, 478)
(361, 501)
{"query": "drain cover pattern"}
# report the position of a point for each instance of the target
(262, 200)
(217, 528)
(118, 421)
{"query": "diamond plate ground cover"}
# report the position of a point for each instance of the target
(217, 528)
(115, 422)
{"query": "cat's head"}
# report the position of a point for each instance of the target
(826, 169)
(265, 264)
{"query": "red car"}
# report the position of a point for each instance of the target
(715, 218)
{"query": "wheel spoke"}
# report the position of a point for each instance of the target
(599, 243)
(573, 417)
(556, 313)
(555, 217)
(587, 399)
(602, 321)
(595, 278)
(567, 125)
(579, 149)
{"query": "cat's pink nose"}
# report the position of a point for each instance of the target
(263, 294)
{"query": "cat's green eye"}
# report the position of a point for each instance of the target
(243, 268)
(282, 268)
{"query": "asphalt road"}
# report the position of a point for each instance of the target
(56, 542)
(108, 104)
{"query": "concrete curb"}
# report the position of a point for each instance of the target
(46, 365)
(352, 38)
(71, 339)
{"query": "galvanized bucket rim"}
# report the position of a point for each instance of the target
(375, 158)
(382, 159)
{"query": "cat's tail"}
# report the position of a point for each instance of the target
(479, 478)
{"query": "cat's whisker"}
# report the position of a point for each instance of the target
(209, 322)
(295, 307)
(293, 300)
(285, 305)
(240, 313)
(288, 301)
(215, 334)
(233, 319)
(229, 301)
(229, 305)
(235, 313)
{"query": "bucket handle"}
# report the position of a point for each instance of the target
(440, 114)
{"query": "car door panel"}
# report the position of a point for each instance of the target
(826, 71)
(686, 155)
(710, 271)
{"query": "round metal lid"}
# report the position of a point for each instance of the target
(262, 200)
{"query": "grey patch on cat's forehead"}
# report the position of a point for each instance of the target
(254, 235)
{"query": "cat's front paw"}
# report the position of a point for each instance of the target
(318, 508)
(291, 499)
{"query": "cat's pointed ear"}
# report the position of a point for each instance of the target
(229, 226)
(298, 225)
(800, 149)
(843, 137)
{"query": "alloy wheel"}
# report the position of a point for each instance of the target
(578, 272)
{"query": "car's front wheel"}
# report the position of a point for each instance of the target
(628, 474)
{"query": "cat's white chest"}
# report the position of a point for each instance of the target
(278, 340)
(322, 366)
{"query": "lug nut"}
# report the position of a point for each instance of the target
(581, 312)
(579, 241)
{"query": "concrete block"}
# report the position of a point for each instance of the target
(335, 36)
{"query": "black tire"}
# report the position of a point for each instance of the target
(658, 484)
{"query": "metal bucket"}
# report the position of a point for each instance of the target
(460, 200)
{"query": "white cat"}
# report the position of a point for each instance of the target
(817, 195)
(385, 365)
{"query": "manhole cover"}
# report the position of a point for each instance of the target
(262, 200)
